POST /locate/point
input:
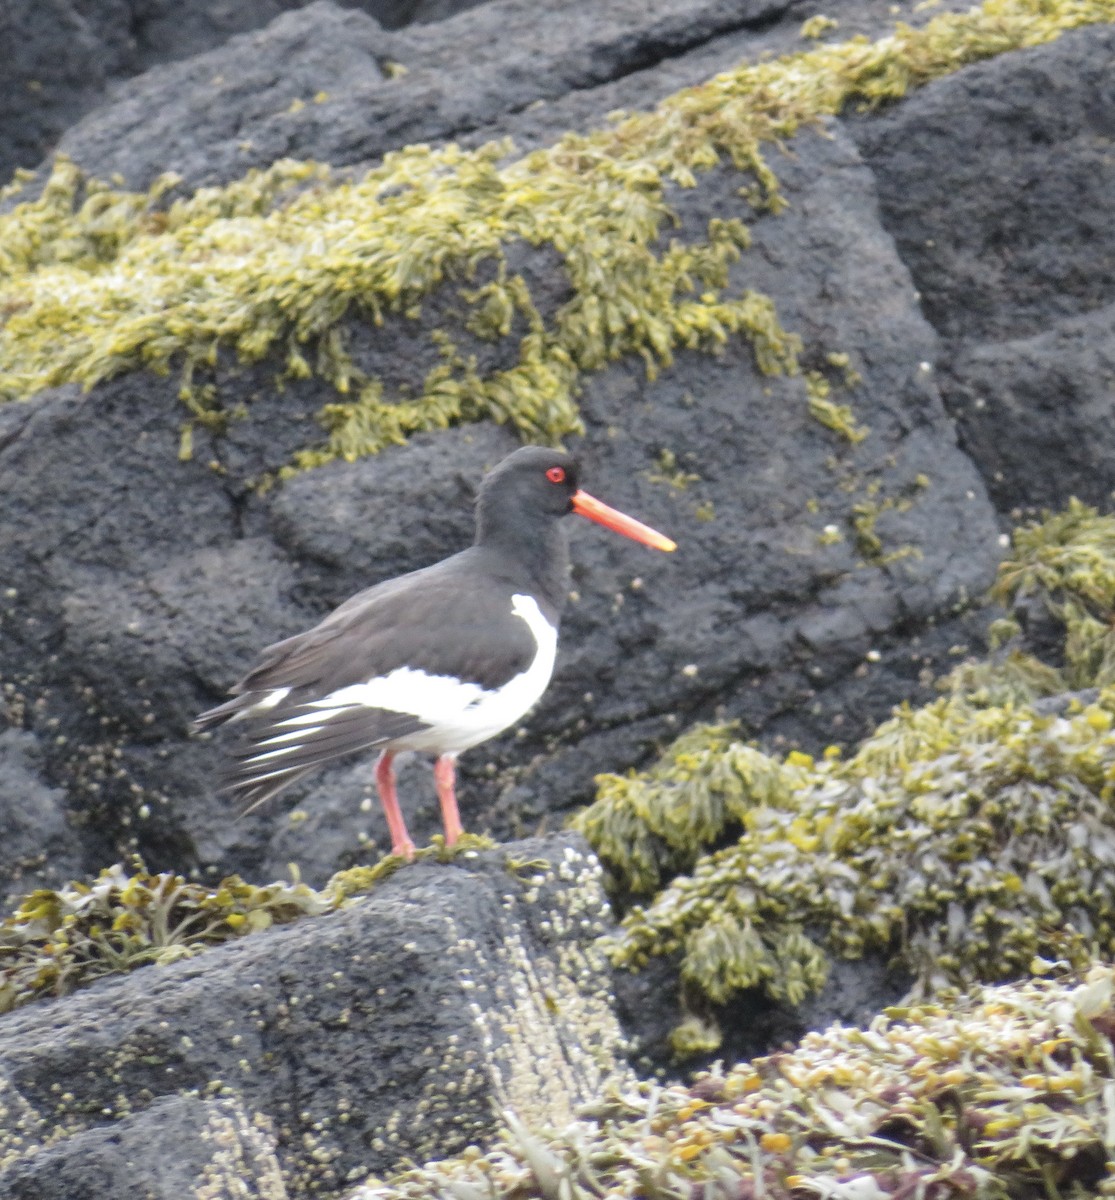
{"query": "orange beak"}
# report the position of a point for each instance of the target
(585, 505)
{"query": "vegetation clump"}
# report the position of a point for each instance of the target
(1008, 1092)
(1064, 565)
(962, 841)
(95, 281)
(58, 941)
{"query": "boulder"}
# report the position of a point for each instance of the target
(401, 1027)
(1040, 399)
(330, 83)
(40, 848)
(64, 56)
(996, 183)
(806, 560)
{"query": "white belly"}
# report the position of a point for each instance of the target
(459, 714)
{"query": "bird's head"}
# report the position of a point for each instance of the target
(535, 483)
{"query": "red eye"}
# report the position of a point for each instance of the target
(556, 474)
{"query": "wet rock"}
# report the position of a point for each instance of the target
(39, 847)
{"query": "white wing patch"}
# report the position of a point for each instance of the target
(266, 701)
(459, 714)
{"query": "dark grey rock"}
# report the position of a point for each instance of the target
(39, 848)
(649, 1005)
(259, 98)
(997, 182)
(1035, 412)
(162, 583)
(180, 1145)
(63, 57)
(53, 72)
(398, 1028)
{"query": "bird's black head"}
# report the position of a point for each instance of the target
(528, 489)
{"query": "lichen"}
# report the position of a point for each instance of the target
(1007, 1092)
(95, 281)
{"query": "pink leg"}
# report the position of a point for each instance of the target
(445, 775)
(385, 782)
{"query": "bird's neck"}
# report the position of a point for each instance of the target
(540, 559)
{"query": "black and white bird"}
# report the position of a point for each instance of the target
(437, 660)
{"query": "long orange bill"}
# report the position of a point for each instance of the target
(585, 505)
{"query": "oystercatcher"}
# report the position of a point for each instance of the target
(438, 660)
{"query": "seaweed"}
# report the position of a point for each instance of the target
(1009, 1091)
(96, 281)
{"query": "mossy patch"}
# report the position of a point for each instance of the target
(1007, 1092)
(95, 281)
(960, 840)
(1065, 564)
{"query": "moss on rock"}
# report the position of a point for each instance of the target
(1065, 563)
(95, 281)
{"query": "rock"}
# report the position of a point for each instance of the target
(39, 849)
(329, 83)
(64, 55)
(53, 73)
(179, 1145)
(400, 1027)
(1040, 399)
(649, 1005)
(996, 184)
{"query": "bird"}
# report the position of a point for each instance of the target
(437, 660)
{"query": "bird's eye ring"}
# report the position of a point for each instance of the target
(556, 474)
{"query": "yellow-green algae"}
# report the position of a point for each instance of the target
(59, 940)
(96, 281)
(1066, 563)
(1061, 569)
(961, 839)
(1007, 1092)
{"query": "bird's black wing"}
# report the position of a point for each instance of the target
(445, 620)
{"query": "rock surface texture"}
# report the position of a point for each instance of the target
(65, 56)
(303, 1057)
(994, 183)
(953, 250)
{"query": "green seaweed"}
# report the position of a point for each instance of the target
(959, 840)
(1066, 563)
(96, 281)
(56, 941)
(1007, 1092)
(59, 940)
